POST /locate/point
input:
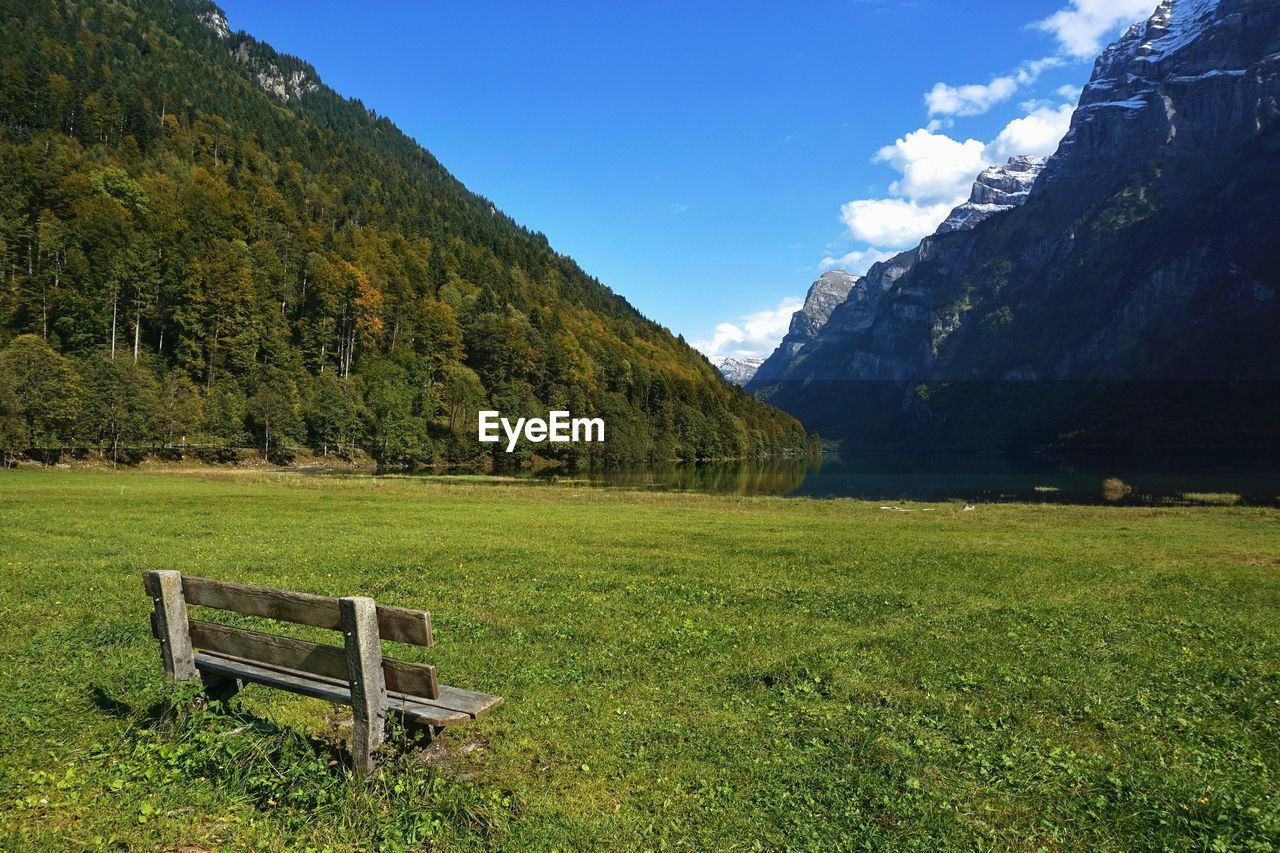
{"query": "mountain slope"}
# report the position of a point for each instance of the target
(188, 195)
(1131, 301)
(831, 289)
(997, 190)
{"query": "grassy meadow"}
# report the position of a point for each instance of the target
(679, 670)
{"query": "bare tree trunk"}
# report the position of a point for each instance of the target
(44, 298)
(115, 302)
(209, 380)
(342, 343)
(137, 332)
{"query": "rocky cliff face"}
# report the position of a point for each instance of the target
(285, 83)
(997, 189)
(1142, 260)
(1199, 76)
(824, 296)
(216, 21)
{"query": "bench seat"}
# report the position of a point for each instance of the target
(454, 705)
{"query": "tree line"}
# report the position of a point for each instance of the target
(126, 403)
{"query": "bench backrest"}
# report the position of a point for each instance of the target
(362, 622)
(303, 608)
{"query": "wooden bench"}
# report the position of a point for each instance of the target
(225, 658)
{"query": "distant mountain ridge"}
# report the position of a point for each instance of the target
(997, 189)
(739, 371)
(1131, 300)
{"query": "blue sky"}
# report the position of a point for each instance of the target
(708, 160)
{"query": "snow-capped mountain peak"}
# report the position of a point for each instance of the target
(1175, 24)
(739, 371)
(1198, 76)
(997, 189)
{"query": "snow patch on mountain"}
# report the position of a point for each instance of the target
(1175, 24)
(996, 190)
(739, 371)
(1198, 76)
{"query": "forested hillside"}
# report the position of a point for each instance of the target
(201, 244)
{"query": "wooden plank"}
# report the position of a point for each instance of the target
(414, 679)
(169, 618)
(296, 683)
(398, 624)
(474, 705)
(320, 687)
(364, 673)
(429, 715)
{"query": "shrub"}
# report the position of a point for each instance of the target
(1115, 489)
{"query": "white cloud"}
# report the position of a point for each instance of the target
(935, 168)
(937, 171)
(971, 100)
(977, 98)
(894, 223)
(937, 175)
(1080, 29)
(754, 335)
(1070, 93)
(858, 261)
(1038, 132)
(1081, 26)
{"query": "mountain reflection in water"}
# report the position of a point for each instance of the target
(886, 476)
(1206, 479)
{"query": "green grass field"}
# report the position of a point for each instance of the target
(679, 670)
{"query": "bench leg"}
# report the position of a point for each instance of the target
(421, 733)
(170, 620)
(219, 687)
(364, 671)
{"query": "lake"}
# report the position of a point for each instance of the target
(889, 476)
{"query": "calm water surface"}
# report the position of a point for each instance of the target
(968, 477)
